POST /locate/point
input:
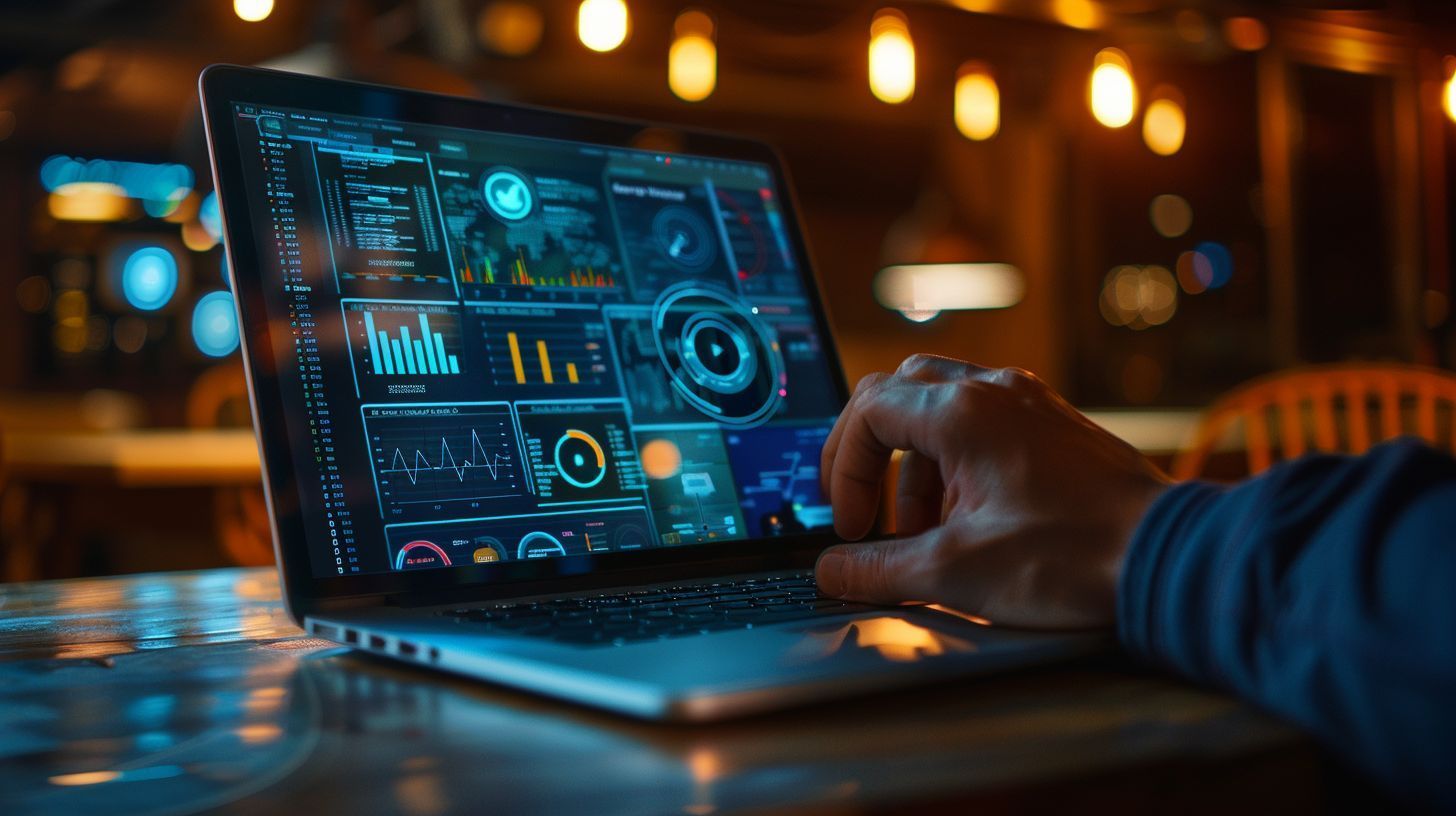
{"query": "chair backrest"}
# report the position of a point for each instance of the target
(1342, 408)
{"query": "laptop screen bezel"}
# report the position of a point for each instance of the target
(222, 87)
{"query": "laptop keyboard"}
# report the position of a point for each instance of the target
(651, 614)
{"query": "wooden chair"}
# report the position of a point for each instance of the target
(1342, 408)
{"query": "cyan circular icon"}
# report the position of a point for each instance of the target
(507, 194)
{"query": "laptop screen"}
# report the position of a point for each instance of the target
(496, 348)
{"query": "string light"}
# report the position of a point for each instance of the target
(977, 102)
(892, 57)
(1111, 92)
(692, 62)
(253, 11)
(601, 25)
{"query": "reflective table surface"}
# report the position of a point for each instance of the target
(187, 692)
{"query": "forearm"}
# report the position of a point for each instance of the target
(1325, 591)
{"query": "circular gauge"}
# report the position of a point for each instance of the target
(487, 550)
(539, 545)
(719, 356)
(420, 555)
(580, 460)
(507, 193)
(630, 537)
(684, 238)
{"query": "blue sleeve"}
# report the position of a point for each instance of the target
(1324, 591)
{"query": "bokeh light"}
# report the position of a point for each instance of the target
(210, 215)
(1083, 14)
(1448, 97)
(1221, 263)
(1172, 215)
(215, 324)
(149, 278)
(252, 11)
(1111, 92)
(602, 25)
(892, 57)
(692, 61)
(977, 102)
(1164, 126)
(1138, 297)
(510, 28)
(1246, 33)
(88, 201)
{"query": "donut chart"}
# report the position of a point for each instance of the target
(539, 545)
(421, 554)
(579, 459)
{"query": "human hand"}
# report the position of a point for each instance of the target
(1011, 505)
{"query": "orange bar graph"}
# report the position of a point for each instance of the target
(571, 372)
(515, 345)
(545, 361)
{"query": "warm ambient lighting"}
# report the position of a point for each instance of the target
(1164, 124)
(1083, 14)
(977, 102)
(511, 28)
(922, 291)
(89, 201)
(1448, 97)
(1246, 33)
(692, 62)
(602, 24)
(1111, 92)
(892, 58)
(253, 11)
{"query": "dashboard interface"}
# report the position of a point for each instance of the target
(495, 347)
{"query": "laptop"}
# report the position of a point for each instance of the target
(540, 399)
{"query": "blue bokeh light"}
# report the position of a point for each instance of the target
(149, 278)
(1220, 263)
(209, 216)
(215, 324)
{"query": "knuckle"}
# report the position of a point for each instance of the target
(919, 363)
(967, 400)
(1016, 379)
(870, 381)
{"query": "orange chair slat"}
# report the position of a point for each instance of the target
(1291, 424)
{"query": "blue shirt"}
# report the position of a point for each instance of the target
(1325, 591)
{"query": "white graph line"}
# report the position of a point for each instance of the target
(399, 464)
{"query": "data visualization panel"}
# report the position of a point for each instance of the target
(523, 235)
(763, 258)
(382, 222)
(433, 460)
(651, 397)
(669, 234)
(777, 470)
(544, 350)
(690, 485)
(404, 348)
(514, 538)
(580, 452)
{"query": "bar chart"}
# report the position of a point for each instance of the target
(554, 347)
(404, 339)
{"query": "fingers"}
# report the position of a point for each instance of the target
(887, 417)
(881, 572)
(921, 496)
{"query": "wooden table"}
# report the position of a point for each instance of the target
(190, 691)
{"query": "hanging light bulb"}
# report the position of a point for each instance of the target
(977, 102)
(252, 11)
(692, 62)
(1111, 92)
(892, 57)
(601, 25)
(1164, 123)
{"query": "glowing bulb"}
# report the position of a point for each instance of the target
(1082, 14)
(692, 62)
(1449, 97)
(1164, 127)
(253, 11)
(977, 103)
(1111, 92)
(892, 58)
(602, 24)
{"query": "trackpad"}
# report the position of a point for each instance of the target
(893, 638)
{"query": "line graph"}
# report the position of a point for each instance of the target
(431, 460)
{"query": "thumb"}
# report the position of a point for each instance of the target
(881, 572)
